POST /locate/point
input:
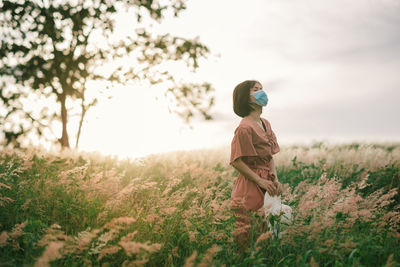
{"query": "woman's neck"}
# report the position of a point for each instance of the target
(255, 114)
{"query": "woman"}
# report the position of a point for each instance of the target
(252, 148)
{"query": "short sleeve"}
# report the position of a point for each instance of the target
(273, 142)
(242, 144)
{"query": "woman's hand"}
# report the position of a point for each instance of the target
(278, 187)
(267, 185)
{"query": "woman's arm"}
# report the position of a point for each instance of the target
(276, 182)
(273, 169)
(252, 176)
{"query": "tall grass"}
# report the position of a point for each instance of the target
(172, 209)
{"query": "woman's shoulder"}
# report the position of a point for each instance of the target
(243, 129)
(244, 125)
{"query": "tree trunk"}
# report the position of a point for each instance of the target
(64, 138)
(80, 125)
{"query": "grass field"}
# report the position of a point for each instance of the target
(172, 209)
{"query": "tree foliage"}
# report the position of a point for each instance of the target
(54, 48)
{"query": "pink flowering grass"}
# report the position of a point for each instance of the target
(173, 209)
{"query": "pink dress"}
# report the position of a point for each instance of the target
(256, 148)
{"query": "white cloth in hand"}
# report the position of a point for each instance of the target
(273, 205)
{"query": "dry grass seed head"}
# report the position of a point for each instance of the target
(51, 252)
(132, 248)
(264, 236)
(134, 263)
(108, 251)
(209, 255)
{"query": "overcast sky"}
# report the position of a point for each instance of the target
(330, 69)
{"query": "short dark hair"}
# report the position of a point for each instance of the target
(241, 98)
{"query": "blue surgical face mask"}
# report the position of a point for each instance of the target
(260, 98)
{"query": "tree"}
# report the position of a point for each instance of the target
(54, 48)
